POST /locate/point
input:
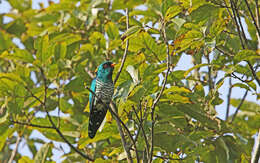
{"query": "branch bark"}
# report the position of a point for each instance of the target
(15, 149)
(256, 154)
(113, 109)
(228, 98)
(239, 106)
(163, 32)
(123, 139)
(241, 35)
(32, 125)
(142, 129)
(53, 124)
(252, 16)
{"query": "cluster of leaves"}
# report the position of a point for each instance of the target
(61, 45)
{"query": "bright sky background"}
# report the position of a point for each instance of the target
(184, 64)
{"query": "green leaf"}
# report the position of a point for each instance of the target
(16, 27)
(5, 41)
(44, 51)
(25, 159)
(132, 30)
(195, 112)
(245, 55)
(65, 106)
(21, 5)
(112, 30)
(176, 89)
(247, 105)
(3, 112)
(198, 66)
(98, 39)
(241, 85)
(133, 72)
(43, 153)
(68, 38)
(118, 4)
(252, 85)
(76, 85)
(172, 12)
(177, 23)
(5, 132)
(60, 50)
(198, 14)
(52, 71)
(20, 55)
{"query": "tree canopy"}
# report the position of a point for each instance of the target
(48, 58)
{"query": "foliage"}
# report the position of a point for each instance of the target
(46, 74)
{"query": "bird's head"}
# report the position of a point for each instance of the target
(105, 70)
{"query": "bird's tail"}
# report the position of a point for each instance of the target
(95, 120)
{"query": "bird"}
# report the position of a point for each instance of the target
(103, 87)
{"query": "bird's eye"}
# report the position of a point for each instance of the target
(105, 66)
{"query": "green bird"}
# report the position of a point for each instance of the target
(103, 87)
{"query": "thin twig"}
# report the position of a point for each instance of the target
(168, 158)
(256, 154)
(239, 106)
(161, 91)
(240, 24)
(242, 80)
(113, 106)
(257, 14)
(236, 22)
(59, 109)
(32, 125)
(126, 49)
(53, 124)
(37, 98)
(240, 37)
(254, 73)
(228, 98)
(142, 129)
(123, 140)
(225, 53)
(15, 149)
(211, 85)
(253, 18)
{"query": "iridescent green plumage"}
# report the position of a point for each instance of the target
(103, 87)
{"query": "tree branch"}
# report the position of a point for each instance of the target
(113, 109)
(15, 149)
(236, 16)
(53, 124)
(168, 158)
(32, 125)
(126, 49)
(142, 129)
(256, 154)
(228, 98)
(123, 139)
(235, 20)
(252, 16)
(161, 91)
(239, 106)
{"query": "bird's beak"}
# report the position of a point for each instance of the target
(113, 65)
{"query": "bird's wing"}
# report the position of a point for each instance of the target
(91, 96)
